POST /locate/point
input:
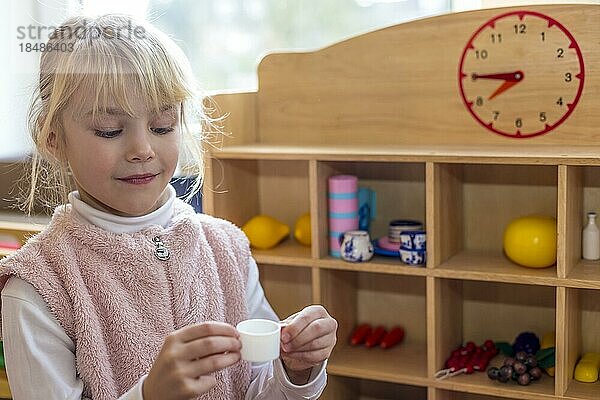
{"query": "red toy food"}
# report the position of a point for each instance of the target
(392, 338)
(468, 359)
(376, 336)
(360, 334)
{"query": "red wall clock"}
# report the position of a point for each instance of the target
(521, 74)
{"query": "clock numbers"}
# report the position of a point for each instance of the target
(542, 117)
(559, 101)
(519, 122)
(568, 77)
(481, 54)
(496, 37)
(543, 34)
(520, 28)
(496, 115)
(560, 53)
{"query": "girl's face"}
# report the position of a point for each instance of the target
(122, 164)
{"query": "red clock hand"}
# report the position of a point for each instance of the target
(508, 76)
(510, 79)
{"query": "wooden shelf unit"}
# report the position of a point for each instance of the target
(385, 107)
(468, 291)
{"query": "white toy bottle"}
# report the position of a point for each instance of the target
(591, 238)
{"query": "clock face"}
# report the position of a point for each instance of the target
(521, 74)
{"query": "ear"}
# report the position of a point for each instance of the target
(52, 142)
(53, 146)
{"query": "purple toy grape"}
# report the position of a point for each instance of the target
(535, 373)
(509, 361)
(524, 379)
(493, 373)
(520, 368)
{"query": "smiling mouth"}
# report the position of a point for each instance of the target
(138, 179)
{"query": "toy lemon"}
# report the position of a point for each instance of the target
(531, 241)
(587, 368)
(265, 232)
(302, 230)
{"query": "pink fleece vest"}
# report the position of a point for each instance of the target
(117, 301)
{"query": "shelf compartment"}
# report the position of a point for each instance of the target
(237, 190)
(379, 299)
(582, 312)
(581, 194)
(401, 364)
(288, 290)
(473, 203)
(476, 311)
(344, 388)
(399, 188)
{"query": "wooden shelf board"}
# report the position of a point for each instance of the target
(533, 155)
(386, 265)
(487, 266)
(580, 390)
(586, 274)
(405, 363)
(287, 253)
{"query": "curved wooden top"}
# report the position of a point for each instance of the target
(399, 86)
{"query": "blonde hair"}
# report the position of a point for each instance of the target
(102, 56)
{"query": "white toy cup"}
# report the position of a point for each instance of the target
(260, 339)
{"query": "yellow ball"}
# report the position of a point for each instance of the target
(531, 241)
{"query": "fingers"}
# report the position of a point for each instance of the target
(319, 343)
(210, 345)
(207, 365)
(205, 339)
(302, 320)
(309, 358)
(192, 332)
(312, 329)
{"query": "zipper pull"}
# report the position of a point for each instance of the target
(161, 252)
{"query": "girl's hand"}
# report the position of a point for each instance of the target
(185, 365)
(307, 341)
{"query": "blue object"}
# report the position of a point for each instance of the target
(182, 185)
(383, 252)
(413, 240)
(366, 207)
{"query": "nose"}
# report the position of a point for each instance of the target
(140, 147)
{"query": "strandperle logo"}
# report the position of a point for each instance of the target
(40, 32)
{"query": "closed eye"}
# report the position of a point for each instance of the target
(162, 131)
(108, 134)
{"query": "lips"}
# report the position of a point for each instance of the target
(138, 179)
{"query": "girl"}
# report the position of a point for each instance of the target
(128, 293)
